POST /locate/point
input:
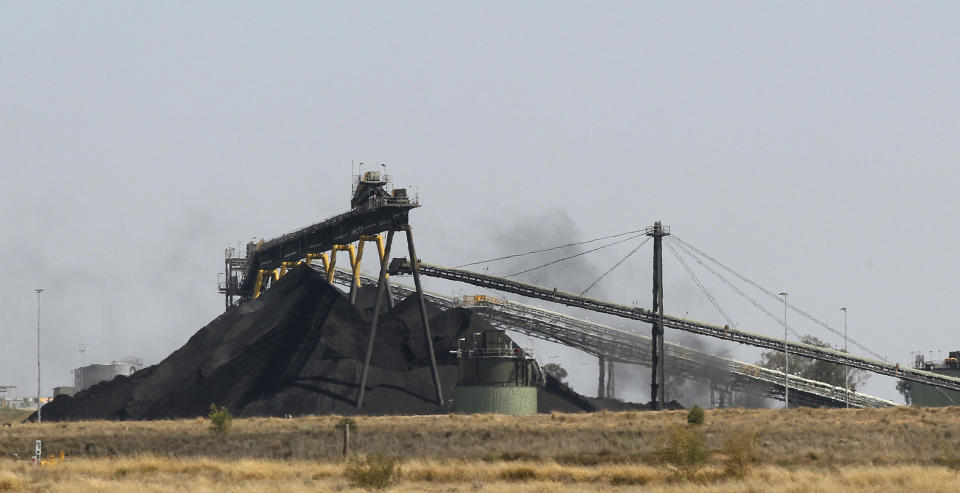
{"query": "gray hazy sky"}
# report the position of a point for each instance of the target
(808, 145)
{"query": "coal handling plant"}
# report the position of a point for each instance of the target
(299, 349)
(291, 343)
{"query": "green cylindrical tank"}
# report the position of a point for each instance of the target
(495, 376)
(495, 400)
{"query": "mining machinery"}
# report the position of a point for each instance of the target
(375, 207)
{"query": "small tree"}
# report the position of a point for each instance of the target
(695, 415)
(906, 390)
(686, 451)
(348, 426)
(373, 472)
(740, 451)
(813, 369)
(220, 419)
(555, 370)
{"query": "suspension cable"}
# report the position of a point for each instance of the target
(594, 283)
(573, 256)
(548, 249)
(700, 284)
(772, 295)
(740, 292)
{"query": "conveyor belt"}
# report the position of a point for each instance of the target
(629, 347)
(401, 266)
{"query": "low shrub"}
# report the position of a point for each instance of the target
(345, 423)
(628, 479)
(695, 415)
(740, 451)
(10, 481)
(220, 419)
(949, 459)
(518, 474)
(520, 455)
(373, 472)
(685, 451)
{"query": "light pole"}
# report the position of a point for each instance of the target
(846, 383)
(786, 358)
(38, 353)
(83, 348)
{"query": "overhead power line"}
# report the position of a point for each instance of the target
(574, 256)
(700, 284)
(775, 296)
(739, 291)
(548, 249)
(594, 283)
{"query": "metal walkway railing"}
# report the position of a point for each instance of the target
(629, 347)
(401, 265)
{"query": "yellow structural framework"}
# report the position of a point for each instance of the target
(274, 273)
(329, 262)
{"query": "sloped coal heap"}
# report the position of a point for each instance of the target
(299, 349)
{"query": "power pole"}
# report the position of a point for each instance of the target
(846, 382)
(83, 349)
(657, 231)
(786, 357)
(38, 353)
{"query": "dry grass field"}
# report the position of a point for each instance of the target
(11, 415)
(150, 474)
(804, 450)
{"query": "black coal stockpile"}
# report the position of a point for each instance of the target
(299, 349)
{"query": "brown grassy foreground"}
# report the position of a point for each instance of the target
(799, 450)
(148, 474)
(11, 415)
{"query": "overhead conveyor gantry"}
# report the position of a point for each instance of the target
(402, 266)
(628, 347)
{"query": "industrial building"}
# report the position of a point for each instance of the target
(64, 390)
(928, 395)
(90, 375)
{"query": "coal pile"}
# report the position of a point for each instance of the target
(297, 350)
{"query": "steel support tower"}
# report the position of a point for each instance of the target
(657, 231)
(382, 287)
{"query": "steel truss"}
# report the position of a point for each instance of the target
(401, 266)
(627, 347)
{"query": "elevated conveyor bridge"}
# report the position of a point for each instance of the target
(725, 332)
(628, 347)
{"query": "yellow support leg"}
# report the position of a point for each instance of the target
(380, 253)
(331, 265)
(333, 258)
(258, 285)
(274, 274)
(356, 264)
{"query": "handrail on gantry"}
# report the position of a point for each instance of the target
(725, 332)
(619, 345)
(629, 347)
